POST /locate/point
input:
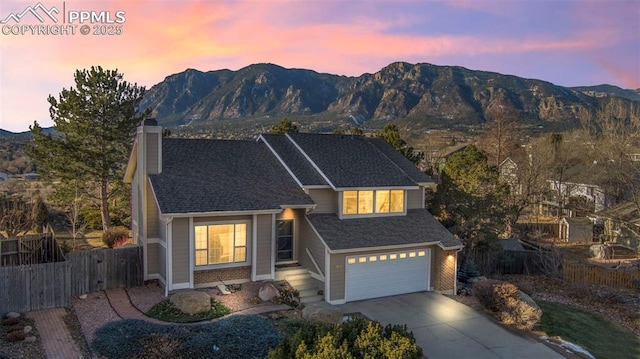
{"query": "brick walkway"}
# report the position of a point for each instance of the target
(55, 337)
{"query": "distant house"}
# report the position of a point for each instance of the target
(621, 224)
(581, 191)
(576, 229)
(339, 215)
(508, 172)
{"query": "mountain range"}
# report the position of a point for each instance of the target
(425, 95)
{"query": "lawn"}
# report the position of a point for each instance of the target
(599, 336)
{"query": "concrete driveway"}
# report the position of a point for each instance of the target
(447, 329)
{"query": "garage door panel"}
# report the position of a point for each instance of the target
(379, 278)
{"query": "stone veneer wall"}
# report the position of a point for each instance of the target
(225, 274)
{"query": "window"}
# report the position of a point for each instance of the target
(220, 243)
(368, 202)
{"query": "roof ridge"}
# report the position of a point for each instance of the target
(387, 157)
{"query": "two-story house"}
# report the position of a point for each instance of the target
(347, 210)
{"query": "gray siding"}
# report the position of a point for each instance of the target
(326, 200)
(414, 198)
(162, 262)
(135, 217)
(264, 244)
(152, 152)
(222, 219)
(309, 239)
(152, 215)
(180, 250)
(336, 280)
(153, 265)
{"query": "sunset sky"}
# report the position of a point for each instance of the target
(568, 43)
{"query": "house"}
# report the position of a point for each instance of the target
(576, 229)
(508, 173)
(621, 224)
(346, 213)
(581, 190)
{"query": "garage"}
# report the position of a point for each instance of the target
(384, 274)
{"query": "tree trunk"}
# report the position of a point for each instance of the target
(104, 206)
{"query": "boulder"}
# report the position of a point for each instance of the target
(322, 315)
(12, 315)
(527, 299)
(191, 301)
(268, 292)
(30, 339)
(27, 329)
(83, 296)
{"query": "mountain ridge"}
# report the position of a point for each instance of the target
(423, 94)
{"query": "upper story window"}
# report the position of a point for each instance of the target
(370, 201)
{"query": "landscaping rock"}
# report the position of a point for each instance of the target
(27, 329)
(30, 339)
(322, 315)
(268, 292)
(12, 315)
(191, 301)
(83, 296)
(527, 299)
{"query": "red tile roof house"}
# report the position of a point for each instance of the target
(341, 217)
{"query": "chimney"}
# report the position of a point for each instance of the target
(150, 146)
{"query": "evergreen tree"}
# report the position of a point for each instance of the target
(284, 126)
(96, 123)
(391, 134)
(39, 215)
(469, 201)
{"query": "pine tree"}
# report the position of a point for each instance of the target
(96, 123)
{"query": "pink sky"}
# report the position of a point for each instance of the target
(568, 43)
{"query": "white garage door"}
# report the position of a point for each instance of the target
(385, 274)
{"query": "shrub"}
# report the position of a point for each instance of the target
(503, 300)
(467, 271)
(243, 336)
(168, 312)
(357, 338)
(10, 321)
(16, 336)
(288, 296)
(115, 237)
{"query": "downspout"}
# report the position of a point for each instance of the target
(455, 277)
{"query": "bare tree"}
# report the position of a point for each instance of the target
(15, 217)
(501, 136)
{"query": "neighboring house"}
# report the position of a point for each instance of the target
(508, 172)
(621, 224)
(347, 210)
(576, 229)
(581, 190)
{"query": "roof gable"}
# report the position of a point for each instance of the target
(201, 176)
(353, 161)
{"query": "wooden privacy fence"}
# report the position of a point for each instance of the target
(549, 230)
(30, 250)
(589, 274)
(50, 285)
(517, 262)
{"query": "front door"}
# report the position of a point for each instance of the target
(284, 245)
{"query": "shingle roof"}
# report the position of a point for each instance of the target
(294, 160)
(222, 175)
(403, 163)
(351, 161)
(418, 226)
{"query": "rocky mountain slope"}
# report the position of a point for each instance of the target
(422, 94)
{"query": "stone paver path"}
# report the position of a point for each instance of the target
(55, 337)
